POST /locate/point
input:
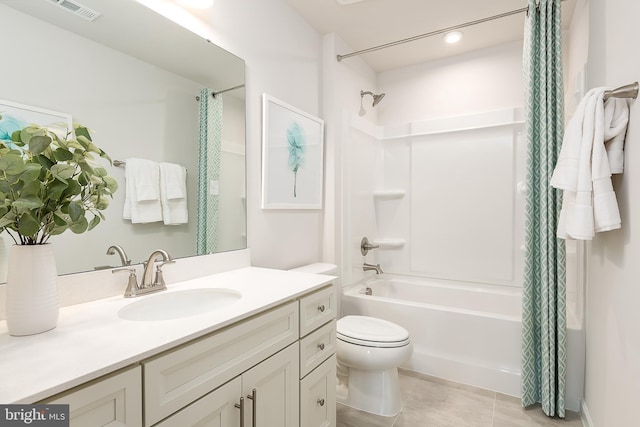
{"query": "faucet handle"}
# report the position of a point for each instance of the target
(132, 284)
(365, 246)
(159, 280)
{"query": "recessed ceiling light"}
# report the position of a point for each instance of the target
(453, 37)
(197, 4)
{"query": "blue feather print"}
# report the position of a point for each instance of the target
(295, 137)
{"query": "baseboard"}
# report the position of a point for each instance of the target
(585, 416)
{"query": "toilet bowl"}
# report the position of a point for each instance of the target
(372, 349)
(369, 351)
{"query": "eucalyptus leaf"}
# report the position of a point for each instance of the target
(27, 203)
(31, 172)
(63, 171)
(62, 154)
(76, 211)
(12, 164)
(39, 143)
(28, 225)
(95, 221)
(80, 226)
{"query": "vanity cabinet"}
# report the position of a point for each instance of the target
(114, 400)
(276, 368)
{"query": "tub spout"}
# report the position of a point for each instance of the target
(376, 268)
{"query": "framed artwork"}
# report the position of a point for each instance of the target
(15, 116)
(292, 157)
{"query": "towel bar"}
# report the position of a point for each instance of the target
(626, 91)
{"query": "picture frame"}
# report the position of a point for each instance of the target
(292, 157)
(16, 116)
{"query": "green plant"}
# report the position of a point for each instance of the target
(50, 182)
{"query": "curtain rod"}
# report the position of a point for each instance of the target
(214, 94)
(432, 33)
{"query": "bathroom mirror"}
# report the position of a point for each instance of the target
(134, 78)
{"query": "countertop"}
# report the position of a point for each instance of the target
(90, 339)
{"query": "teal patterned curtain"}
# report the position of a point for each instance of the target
(209, 145)
(544, 302)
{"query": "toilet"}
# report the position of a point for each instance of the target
(369, 351)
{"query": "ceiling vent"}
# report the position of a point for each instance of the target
(77, 9)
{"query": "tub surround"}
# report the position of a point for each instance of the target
(91, 340)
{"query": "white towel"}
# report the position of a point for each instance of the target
(173, 193)
(591, 152)
(142, 191)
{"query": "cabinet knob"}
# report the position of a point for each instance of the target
(321, 346)
(321, 402)
(321, 308)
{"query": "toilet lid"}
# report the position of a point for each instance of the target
(371, 331)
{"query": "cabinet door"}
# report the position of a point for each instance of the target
(318, 396)
(216, 409)
(114, 401)
(271, 391)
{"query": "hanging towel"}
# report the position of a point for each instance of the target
(173, 193)
(592, 149)
(142, 191)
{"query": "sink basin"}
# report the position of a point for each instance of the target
(176, 305)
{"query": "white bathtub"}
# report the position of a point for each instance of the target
(469, 333)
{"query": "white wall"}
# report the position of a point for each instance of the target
(485, 80)
(283, 57)
(612, 389)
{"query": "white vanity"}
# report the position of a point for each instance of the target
(265, 359)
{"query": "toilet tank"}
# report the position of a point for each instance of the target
(318, 268)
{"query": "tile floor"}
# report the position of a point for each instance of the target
(431, 402)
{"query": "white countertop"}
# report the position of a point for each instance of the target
(91, 340)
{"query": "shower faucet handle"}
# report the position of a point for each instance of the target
(365, 246)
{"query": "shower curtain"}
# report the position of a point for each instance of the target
(209, 145)
(544, 303)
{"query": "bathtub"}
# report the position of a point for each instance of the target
(464, 332)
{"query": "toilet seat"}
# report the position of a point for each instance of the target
(371, 332)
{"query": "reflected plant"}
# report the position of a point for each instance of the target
(295, 137)
(50, 181)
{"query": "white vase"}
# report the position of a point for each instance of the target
(32, 291)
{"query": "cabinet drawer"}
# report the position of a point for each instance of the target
(317, 309)
(316, 347)
(318, 396)
(179, 377)
(115, 401)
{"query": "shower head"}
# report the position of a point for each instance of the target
(376, 97)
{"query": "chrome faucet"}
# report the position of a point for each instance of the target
(148, 270)
(376, 268)
(148, 284)
(115, 249)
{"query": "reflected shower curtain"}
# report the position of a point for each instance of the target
(544, 303)
(209, 146)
